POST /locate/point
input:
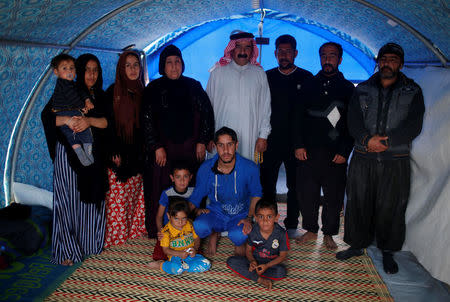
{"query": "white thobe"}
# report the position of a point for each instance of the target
(240, 97)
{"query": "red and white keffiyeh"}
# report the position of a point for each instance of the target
(227, 58)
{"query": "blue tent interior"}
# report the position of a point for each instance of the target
(32, 32)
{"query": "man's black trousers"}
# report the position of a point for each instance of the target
(269, 175)
(315, 173)
(377, 197)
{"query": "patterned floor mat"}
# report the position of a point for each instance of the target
(121, 274)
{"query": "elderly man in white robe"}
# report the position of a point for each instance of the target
(240, 95)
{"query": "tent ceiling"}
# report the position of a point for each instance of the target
(60, 22)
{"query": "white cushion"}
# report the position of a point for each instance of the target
(32, 196)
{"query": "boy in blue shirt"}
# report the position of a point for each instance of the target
(180, 177)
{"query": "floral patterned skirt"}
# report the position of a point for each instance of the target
(125, 209)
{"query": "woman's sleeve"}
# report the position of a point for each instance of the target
(151, 136)
(111, 137)
(206, 114)
(49, 123)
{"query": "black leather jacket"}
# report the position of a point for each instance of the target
(395, 112)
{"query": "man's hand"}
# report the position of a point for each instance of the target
(300, 154)
(200, 152)
(247, 226)
(161, 157)
(261, 145)
(375, 145)
(339, 159)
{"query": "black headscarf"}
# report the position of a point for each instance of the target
(170, 50)
(80, 65)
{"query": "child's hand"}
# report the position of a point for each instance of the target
(88, 105)
(192, 252)
(253, 266)
(202, 211)
(117, 160)
(183, 254)
(159, 235)
(260, 269)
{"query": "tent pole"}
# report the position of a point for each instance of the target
(57, 46)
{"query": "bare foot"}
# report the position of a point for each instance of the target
(155, 264)
(212, 244)
(329, 242)
(239, 250)
(67, 262)
(265, 282)
(308, 236)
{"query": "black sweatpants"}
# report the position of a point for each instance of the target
(317, 172)
(240, 265)
(377, 197)
(269, 169)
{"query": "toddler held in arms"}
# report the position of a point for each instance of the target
(69, 102)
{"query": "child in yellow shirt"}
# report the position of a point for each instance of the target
(180, 242)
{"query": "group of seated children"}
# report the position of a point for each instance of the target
(177, 247)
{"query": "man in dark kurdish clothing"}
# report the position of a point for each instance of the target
(385, 115)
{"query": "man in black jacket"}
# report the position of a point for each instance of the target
(285, 82)
(322, 146)
(385, 115)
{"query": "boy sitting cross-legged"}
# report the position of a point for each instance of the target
(267, 247)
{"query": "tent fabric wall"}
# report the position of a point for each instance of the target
(18, 78)
(428, 212)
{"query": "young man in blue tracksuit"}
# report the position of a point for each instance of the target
(232, 184)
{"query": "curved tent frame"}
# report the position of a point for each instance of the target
(17, 133)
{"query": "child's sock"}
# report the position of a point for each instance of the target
(84, 160)
(88, 150)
